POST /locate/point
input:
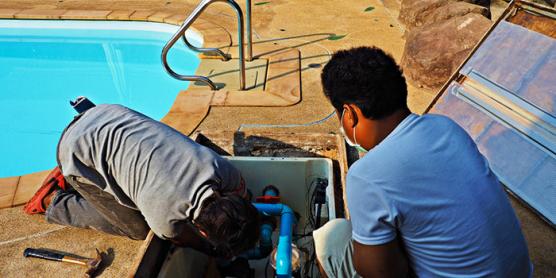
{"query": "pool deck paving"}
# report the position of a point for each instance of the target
(310, 29)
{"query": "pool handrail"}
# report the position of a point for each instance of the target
(189, 21)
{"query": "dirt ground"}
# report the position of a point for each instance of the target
(305, 25)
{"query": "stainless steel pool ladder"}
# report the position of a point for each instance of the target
(212, 51)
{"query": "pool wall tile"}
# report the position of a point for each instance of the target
(8, 13)
(141, 15)
(27, 186)
(8, 187)
(119, 15)
(40, 14)
(85, 14)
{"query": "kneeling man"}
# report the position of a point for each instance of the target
(123, 173)
(423, 201)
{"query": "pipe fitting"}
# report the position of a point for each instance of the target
(284, 249)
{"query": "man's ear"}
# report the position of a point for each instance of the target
(350, 114)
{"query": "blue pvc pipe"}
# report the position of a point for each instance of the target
(265, 244)
(270, 191)
(284, 252)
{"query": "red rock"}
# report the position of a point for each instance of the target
(452, 9)
(433, 52)
(415, 13)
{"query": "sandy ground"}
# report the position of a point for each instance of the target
(305, 25)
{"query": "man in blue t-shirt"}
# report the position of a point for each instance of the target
(423, 200)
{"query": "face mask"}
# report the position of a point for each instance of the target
(355, 145)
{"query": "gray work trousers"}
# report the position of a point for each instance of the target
(87, 206)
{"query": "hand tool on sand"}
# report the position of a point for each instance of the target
(91, 264)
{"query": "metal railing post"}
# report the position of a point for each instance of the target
(187, 23)
(240, 43)
(181, 32)
(249, 33)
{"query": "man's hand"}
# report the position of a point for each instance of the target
(386, 260)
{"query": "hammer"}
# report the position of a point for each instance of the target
(91, 264)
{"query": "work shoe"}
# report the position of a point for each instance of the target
(53, 181)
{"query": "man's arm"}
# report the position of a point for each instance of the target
(188, 237)
(385, 260)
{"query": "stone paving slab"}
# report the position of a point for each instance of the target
(85, 14)
(176, 19)
(9, 13)
(159, 16)
(8, 187)
(27, 186)
(141, 15)
(119, 15)
(226, 74)
(39, 14)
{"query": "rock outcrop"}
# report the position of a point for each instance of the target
(434, 51)
(453, 9)
(422, 12)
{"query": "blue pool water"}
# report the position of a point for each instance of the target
(44, 64)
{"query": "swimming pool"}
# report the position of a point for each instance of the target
(45, 64)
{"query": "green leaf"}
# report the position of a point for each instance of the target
(368, 9)
(262, 3)
(336, 37)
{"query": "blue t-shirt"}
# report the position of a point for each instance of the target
(428, 182)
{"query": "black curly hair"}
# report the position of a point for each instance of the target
(366, 77)
(231, 223)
